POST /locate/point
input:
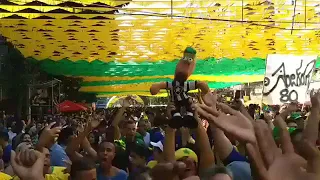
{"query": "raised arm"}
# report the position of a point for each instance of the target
(311, 131)
(169, 139)
(206, 154)
(73, 147)
(118, 118)
(155, 88)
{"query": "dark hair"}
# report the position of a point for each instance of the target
(24, 134)
(129, 122)
(4, 136)
(64, 135)
(82, 164)
(96, 137)
(17, 140)
(141, 150)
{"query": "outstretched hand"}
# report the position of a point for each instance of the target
(230, 121)
(284, 163)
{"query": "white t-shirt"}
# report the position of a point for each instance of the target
(11, 135)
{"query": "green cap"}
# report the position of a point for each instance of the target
(295, 115)
(276, 132)
(190, 50)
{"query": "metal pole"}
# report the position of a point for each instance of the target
(242, 11)
(305, 13)
(171, 9)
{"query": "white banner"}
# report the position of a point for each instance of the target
(287, 78)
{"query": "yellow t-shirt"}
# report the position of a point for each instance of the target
(57, 174)
(4, 176)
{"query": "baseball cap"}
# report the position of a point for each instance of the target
(240, 170)
(158, 145)
(276, 131)
(186, 152)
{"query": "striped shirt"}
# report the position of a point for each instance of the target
(178, 90)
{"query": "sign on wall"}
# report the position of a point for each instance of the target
(287, 78)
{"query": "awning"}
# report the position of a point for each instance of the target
(69, 106)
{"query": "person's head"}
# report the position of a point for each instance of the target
(138, 155)
(39, 126)
(190, 158)
(131, 129)
(92, 138)
(65, 136)
(25, 138)
(46, 166)
(148, 125)
(216, 173)
(142, 127)
(4, 138)
(23, 146)
(106, 153)
(157, 150)
(83, 169)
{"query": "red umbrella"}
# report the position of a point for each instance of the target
(69, 106)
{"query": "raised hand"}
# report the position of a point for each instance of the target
(230, 121)
(48, 135)
(315, 98)
(95, 121)
(28, 164)
(283, 163)
(210, 99)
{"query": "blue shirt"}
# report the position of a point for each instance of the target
(234, 156)
(121, 175)
(58, 155)
(7, 154)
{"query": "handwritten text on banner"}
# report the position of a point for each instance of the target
(287, 78)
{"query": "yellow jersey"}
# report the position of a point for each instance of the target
(4, 176)
(57, 174)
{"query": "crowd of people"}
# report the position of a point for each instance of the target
(231, 142)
